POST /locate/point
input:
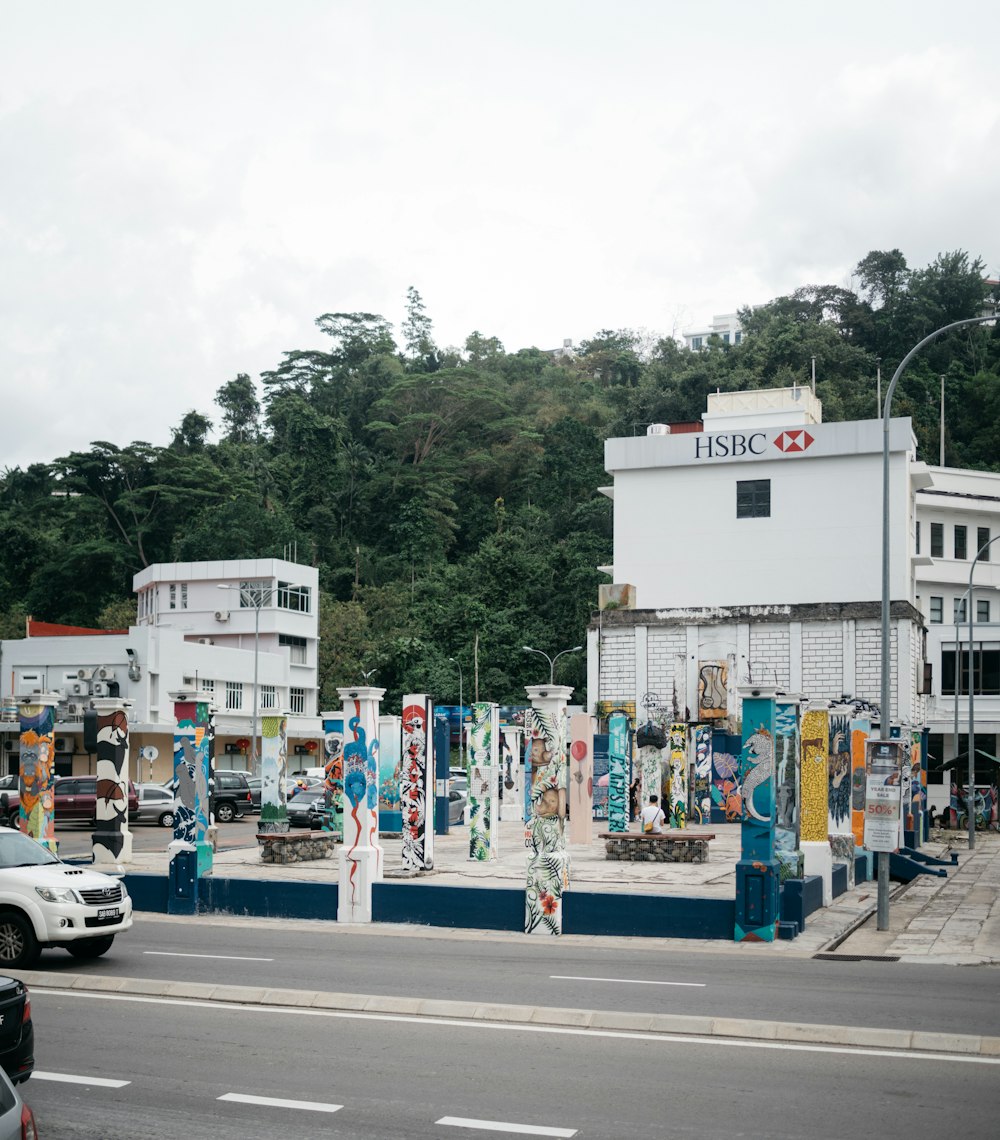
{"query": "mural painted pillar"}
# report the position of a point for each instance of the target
(273, 764)
(727, 804)
(677, 815)
(512, 774)
(702, 797)
(416, 783)
(861, 729)
(545, 773)
(390, 771)
(112, 839)
(361, 855)
(618, 772)
(581, 778)
(786, 787)
(918, 801)
(484, 782)
(815, 795)
(194, 750)
(758, 871)
(840, 776)
(333, 767)
(37, 714)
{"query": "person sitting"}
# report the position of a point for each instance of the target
(652, 818)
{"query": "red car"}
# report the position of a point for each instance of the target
(76, 799)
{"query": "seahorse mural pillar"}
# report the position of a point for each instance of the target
(581, 777)
(361, 855)
(545, 772)
(333, 767)
(194, 750)
(273, 762)
(416, 785)
(37, 714)
(815, 796)
(618, 772)
(786, 788)
(758, 871)
(112, 839)
(677, 816)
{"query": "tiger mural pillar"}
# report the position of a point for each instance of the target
(37, 714)
(758, 873)
(361, 855)
(112, 839)
(194, 751)
(484, 782)
(416, 785)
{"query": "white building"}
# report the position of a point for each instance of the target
(726, 326)
(190, 635)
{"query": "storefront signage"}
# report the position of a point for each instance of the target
(883, 794)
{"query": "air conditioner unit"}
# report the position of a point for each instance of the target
(79, 688)
(10, 744)
(99, 689)
(206, 640)
(106, 674)
(85, 674)
(222, 615)
(64, 744)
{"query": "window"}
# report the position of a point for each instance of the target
(207, 686)
(234, 695)
(696, 342)
(983, 610)
(253, 594)
(173, 596)
(292, 597)
(268, 697)
(960, 612)
(296, 648)
(918, 539)
(961, 542)
(725, 338)
(982, 538)
(937, 611)
(737, 337)
(985, 669)
(753, 498)
(297, 700)
(937, 540)
(184, 595)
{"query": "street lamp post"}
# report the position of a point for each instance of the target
(551, 660)
(885, 699)
(970, 786)
(461, 714)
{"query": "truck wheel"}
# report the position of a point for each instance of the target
(225, 812)
(18, 945)
(91, 947)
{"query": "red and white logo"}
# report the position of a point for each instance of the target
(797, 440)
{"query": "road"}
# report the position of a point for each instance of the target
(76, 839)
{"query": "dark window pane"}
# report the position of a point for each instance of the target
(960, 542)
(982, 538)
(753, 498)
(937, 540)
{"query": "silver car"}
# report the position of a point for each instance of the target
(156, 805)
(17, 1121)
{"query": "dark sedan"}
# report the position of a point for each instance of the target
(17, 1035)
(305, 809)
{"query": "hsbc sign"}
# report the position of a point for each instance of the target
(734, 445)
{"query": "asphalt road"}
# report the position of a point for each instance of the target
(382, 1078)
(564, 973)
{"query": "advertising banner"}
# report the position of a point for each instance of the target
(883, 794)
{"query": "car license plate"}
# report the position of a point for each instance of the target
(109, 912)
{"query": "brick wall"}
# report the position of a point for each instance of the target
(618, 665)
(769, 655)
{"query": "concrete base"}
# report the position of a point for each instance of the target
(359, 869)
(842, 850)
(819, 861)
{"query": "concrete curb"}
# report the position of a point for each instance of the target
(917, 1041)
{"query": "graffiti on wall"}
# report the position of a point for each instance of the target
(758, 872)
(618, 743)
(333, 784)
(416, 789)
(548, 863)
(361, 854)
(815, 783)
(112, 839)
(702, 773)
(677, 745)
(273, 762)
(786, 790)
(713, 680)
(861, 728)
(37, 814)
(839, 772)
(390, 763)
(727, 797)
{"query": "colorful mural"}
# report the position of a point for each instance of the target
(861, 728)
(786, 789)
(702, 799)
(273, 762)
(727, 796)
(677, 744)
(484, 734)
(512, 804)
(618, 744)
(37, 815)
(361, 854)
(713, 683)
(548, 860)
(581, 777)
(815, 783)
(194, 748)
(333, 755)
(416, 788)
(839, 770)
(112, 838)
(758, 871)
(390, 772)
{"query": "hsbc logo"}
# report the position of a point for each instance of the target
(796, 440)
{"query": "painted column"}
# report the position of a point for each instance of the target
(618, 772)
(112, 838)
(649, 773)
(333, 766)
(390, 765)
(194, 748)
(757, 872)
(273, 763)
(918, 801)
(786, 788)
(416, 782)
(37, 714)
(861, 729)
(727, 804)
(548, 859)
(581, 778)
(815, 796)
(512, 774)
(840, 776)
(484, 782)
(702, 740)
(361, 855)
(677, 816)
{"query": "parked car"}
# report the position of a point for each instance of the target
(156, 805)
(17, 1035)
(229, 795)
(296, 784)
(255, 783)
(306, 808)
(17, 1121)
(45, 902)
(10, 801)
(76, 799)
(456, 806)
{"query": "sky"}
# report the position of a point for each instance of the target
(186, 187)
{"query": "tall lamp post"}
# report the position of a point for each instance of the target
(885, 699)
(461, 715)
(551, 660)
(970, 787)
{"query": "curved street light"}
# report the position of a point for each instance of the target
(551, 660)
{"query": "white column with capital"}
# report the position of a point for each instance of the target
(361, 859)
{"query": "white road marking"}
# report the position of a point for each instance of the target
(625, 981)
(500, 1126)
(278, 1102)
(515, 1027)
(217, 957)
(70, 1079)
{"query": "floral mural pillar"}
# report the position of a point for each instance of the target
(758, 871)
(273, 762)
(416, 785)
(194, 750)
(112, 838)
(545, 773)
(677, 744)
(618, 772)
(361, 855)
(333, 766)
(815, 795)
(581, 777)
(787, 788)
(37, 714)
(484, 782)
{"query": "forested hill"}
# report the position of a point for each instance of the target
(450, 496)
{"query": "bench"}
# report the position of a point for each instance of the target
(676, 846)
(295, 847)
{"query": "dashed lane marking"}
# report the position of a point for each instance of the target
(625, 981)
(279, 1102)
(72, 1079)
(503, 1126)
